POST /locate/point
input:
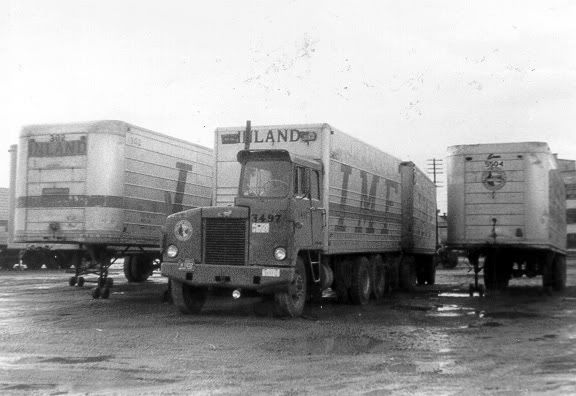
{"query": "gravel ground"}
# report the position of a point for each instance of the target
(55, 339)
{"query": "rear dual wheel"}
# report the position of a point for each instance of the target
(361, 282)
(379, 277)
(554, 273)
(497, 272)
(426, 271)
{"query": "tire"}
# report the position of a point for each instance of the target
(361, 282)
(33, 259)
(420, 275)
(559, 273)
(188, 299)
(451, 260)
(408, 274)
(496, 276)
(379, 282)
(128, 269)
(426, 271)
(105, 292)
(138, 268)
(490, 272)
(291, 302)
(72, 281)
(430, 271)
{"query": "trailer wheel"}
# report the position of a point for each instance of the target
(451, 260)
(360, 283)
(138, 268)
(188, 299)
(490, 272)
(559, 282)
(420, 275)
(105, 292)
(72, 281)
(496, 277)
(408, 274)
(379, 278)
(291, 303)
(379, 288)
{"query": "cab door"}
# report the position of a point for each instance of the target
(317, 212)
(301, 208)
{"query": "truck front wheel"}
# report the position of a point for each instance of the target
(188, 299)
(291, 303)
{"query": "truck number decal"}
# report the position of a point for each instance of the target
(266, 218)
(134, 141)
(494, 177)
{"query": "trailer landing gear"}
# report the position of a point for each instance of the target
(93, 262)
(475, 287)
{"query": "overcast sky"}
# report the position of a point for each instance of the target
(410, 77)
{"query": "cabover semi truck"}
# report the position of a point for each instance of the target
(300, 209)
(507, 209)
(102, 190)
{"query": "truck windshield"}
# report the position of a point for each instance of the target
(269, 179)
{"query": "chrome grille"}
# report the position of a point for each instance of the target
(225, 241)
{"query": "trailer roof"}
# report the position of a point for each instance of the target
(512, 147)
(115, 127)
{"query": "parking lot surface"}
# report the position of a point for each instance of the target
(56, 339)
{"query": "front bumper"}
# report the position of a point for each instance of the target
(263, 279)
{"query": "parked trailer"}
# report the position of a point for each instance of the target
(8, 256)
(506, 203)
(300, 209)
(103, 189)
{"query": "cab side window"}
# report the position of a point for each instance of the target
(301, 182)
(314, 185)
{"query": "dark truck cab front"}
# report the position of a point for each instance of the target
(255, 244)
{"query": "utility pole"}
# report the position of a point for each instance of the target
(435, 168)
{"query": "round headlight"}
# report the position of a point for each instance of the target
(279, 253)
(172, 251)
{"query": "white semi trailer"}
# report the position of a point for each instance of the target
(507, 205)
(86, 193)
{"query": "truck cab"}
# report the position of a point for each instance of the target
(258, 244)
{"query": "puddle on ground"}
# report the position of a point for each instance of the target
(454, 294)
(453, 311)
(412, 307)
(332, 345)
(511, 315)
(77, 360)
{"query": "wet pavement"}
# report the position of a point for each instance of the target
(55, 339)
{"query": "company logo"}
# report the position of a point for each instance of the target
(494, 179)
(270, 136)
(183, 230)
(226, 213)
